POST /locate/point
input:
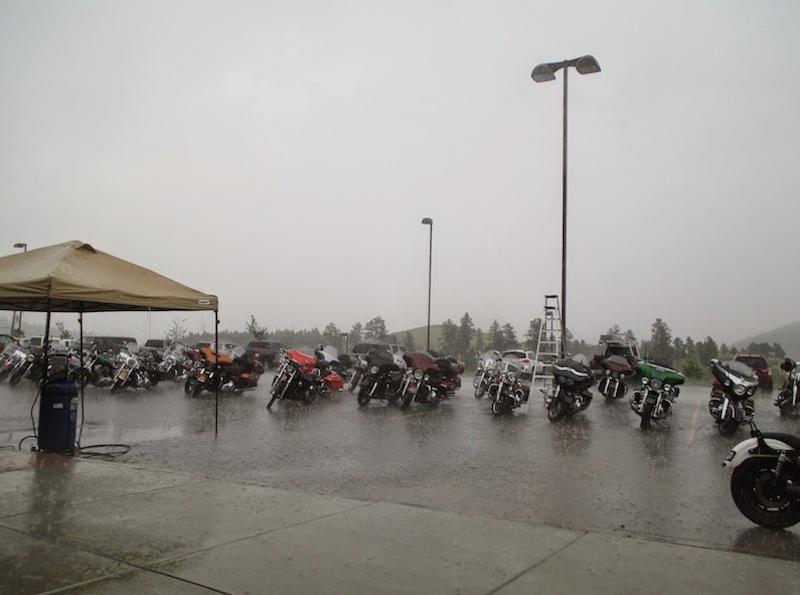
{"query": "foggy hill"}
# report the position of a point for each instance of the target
(788, 336)
(420, 335)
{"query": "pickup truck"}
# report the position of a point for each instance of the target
(614, 345)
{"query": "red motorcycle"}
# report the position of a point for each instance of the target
(612, 384)
(302, 378)
(429, 378)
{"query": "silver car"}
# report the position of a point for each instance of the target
(523, 360)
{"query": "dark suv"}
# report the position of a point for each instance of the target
(266, 351)
(761, 367)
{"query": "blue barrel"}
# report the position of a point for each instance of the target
(58, 416)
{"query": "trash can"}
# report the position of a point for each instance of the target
(58, 416)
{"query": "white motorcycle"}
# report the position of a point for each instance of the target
(765, 483)
(489, 368)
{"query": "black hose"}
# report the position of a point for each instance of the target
(121, 450)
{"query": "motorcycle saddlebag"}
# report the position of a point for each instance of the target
(334, 382)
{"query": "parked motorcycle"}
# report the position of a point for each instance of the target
(616, 369)
(489, 369)
(129, 372)
(98, 368)
(731, 403)
(765, 483)
(430, 378)
(788, 399)
(506, 391)
(31, 368)
(380, 378)
(653, 400)
(570, 391)
(14, 360)
(302, 378)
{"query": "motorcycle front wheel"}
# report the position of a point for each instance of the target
(116, 386)
(647, 414)
(354, 382)
(727, 427)
(497, 408)
(363, 396)
(556, 410)
(789, 410)
(760, 495)
(480, 390)
(16, 377)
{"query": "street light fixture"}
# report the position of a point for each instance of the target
(542, 74)
(429, 221)
(24, 247)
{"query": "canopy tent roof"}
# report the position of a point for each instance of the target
(74, 277)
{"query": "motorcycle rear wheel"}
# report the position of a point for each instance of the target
(758, 495)
(556, 410)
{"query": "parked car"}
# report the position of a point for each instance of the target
(268, 352)
(524, 361)
(155, 345)
(761, 367)
(108, 343)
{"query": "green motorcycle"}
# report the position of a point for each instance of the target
(654, 397)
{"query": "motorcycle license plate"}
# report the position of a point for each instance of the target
(201, 378)
(123, 374)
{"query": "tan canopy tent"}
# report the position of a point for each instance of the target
(75, 277)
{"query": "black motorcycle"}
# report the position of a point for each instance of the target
(731, 402)
(380, 378)
(570, 391)
(506, 391)
(788, 399)
(765, 483)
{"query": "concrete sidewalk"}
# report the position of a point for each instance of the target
(89, 526)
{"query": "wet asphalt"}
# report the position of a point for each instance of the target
(596, 471)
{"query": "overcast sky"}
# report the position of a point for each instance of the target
(281, 155)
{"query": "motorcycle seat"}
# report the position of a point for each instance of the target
(790, 439)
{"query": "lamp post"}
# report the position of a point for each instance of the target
(541, 74)
(428, 221)
(346, 337)
(24, 247)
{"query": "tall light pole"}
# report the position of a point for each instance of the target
(428, 221)
(19, 314)
(541, 74)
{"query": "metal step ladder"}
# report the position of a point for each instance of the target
(550, 346)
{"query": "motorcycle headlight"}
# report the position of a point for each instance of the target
(667, 387)
(561, 379)
(645, 381)
(511, 377)
(656, 384)
(490, 364)
(739, 390)
(480, 365)
(570, 382)
(362, 364)
(427, 378)
(418, 374)
(751, 391)
(373, 370)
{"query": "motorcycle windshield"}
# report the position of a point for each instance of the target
(617, 363)
(736, 372)
(419, 360)
(662, 373)
(381, 359)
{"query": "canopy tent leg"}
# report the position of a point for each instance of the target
(81, 375)
(216, 371)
